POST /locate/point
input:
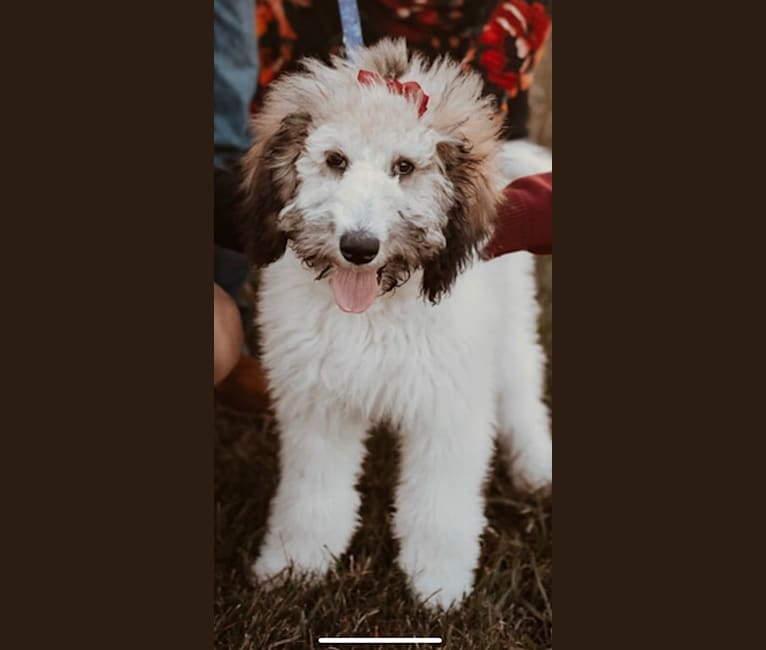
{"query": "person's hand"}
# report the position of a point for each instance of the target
(228, 336)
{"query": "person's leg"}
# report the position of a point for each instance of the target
(235, 67)
(235, 77)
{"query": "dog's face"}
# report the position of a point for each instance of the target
(364, 188)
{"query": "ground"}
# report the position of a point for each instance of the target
(511, 606)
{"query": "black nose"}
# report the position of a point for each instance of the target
(359, 247)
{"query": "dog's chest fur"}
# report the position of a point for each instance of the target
(402, 352)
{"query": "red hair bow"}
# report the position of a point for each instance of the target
(409, 89)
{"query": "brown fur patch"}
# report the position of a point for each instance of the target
(470, 219)
(313, 245)
(270, 182)
(389, 59)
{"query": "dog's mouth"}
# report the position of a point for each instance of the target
(354, 289)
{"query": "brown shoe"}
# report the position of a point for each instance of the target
(246, 388)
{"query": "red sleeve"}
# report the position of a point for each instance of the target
(525, 219)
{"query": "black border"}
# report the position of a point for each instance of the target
(108, 442)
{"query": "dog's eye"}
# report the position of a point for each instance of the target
(403, 167)
(336, 160)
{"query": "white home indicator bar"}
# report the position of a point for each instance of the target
(382, 639)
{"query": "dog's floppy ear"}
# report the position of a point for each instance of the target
(469, 221)
(270, 181)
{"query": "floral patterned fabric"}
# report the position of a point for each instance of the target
(501, 40)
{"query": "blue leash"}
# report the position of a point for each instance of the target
(352, 26)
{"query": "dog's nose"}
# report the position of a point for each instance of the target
(359, 247)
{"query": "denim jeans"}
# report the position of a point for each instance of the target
(235, 65)
(235, 68)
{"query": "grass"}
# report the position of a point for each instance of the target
(510, 607)
(366, 594)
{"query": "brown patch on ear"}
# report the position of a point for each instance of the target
(270, 182)
(469, 221)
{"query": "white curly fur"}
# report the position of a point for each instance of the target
(447, 376)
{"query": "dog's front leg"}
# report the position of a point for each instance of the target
(440, 502)
(314, 512)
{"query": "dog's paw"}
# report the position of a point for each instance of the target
(278, 562)
(271, 568)
(439, 577)
(441, 590)
(532, 469)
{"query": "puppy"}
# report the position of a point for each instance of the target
(370, 188)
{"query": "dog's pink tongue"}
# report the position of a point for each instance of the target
(354, 291)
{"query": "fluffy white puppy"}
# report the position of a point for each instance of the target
(367, 201)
